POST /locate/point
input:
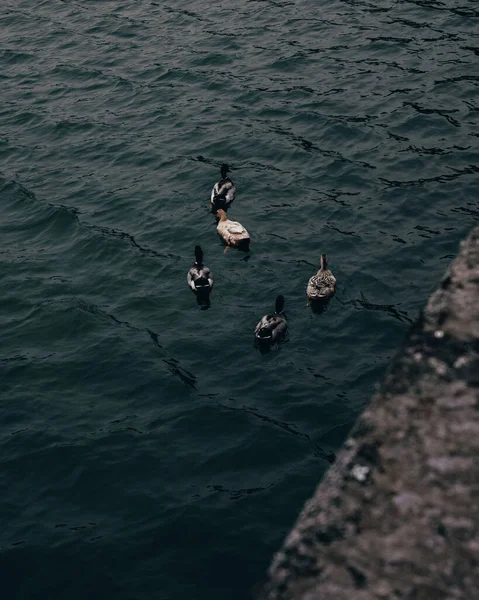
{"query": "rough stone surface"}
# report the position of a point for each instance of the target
(397, 516)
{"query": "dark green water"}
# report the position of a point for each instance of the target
(148, 450)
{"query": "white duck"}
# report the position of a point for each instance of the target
(322, 285)
(223, 192)
(233, 233)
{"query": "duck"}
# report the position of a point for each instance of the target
(223, 192)
(273, 327)
(233, 233)
(322, 285)
(199, 277)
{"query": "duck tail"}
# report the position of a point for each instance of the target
(243, 244)
(202, 283)
(264, 334)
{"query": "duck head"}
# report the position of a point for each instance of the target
(279, 306)
(198, 255)
(220, 213)
(324, 261)
(224, 170)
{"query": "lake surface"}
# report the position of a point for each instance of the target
(148, 449)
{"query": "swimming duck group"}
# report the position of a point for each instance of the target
(273, 327)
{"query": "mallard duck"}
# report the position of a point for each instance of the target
(199, 277)
(322, 285)
(223, 192)
(233, 233)
(272, 328)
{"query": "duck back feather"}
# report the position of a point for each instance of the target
(272, 328)
(223, 192)
(322, 285)
(199, 277)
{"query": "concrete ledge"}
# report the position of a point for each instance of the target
(397, 516)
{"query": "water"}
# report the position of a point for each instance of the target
(148, 450)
